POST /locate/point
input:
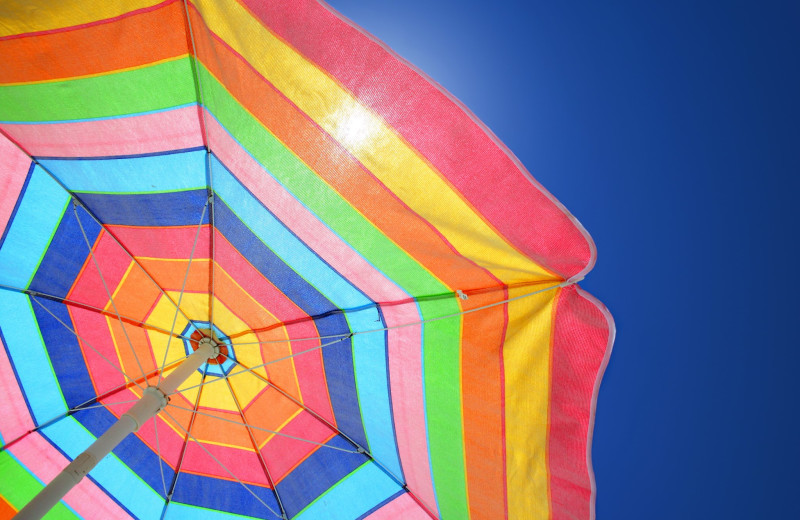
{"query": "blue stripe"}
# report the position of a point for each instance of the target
(66, 254)
(317, 474)
(225, 495)
(181, 208)
(64, 352)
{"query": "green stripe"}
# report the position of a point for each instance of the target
(156, 87)
(18, 487)
(441, 338)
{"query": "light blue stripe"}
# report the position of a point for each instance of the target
(178, 511)
(36, 220)
(353, 496)
(110, 473)
(369, 357)
(150, 174)
(369, 351)
(27, 351)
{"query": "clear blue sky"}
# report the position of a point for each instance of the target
(672, 131)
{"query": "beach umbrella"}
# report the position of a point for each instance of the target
(278, 273)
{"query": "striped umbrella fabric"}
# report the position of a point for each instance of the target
(395, 297)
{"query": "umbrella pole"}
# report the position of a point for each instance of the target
(153, 400)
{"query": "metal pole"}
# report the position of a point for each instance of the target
(152, 401)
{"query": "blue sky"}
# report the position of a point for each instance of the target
(671, 130)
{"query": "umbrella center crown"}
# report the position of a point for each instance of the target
(202, 336)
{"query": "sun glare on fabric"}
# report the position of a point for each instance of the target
(354, 127)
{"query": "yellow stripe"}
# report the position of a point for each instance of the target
(526, 357)
(26, 16)
(110, 324)
(370, 140)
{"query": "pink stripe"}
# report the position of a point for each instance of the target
(401, 507)
(405, 355)
(113, 262)
(93, 330)
(582, 337)
(149, 133)
(242, 463)
(39, 457)
(171, 242)
(454, 140)
(14, 166)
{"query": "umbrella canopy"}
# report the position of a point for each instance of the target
(392, 294)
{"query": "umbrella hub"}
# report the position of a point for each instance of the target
(208, 336)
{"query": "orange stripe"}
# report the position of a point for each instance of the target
(482, 340)
(6, 509)
(137, 40)
(140, 343)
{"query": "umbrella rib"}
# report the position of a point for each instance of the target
(211, 215)
(279, 434)
(209, 169)
(89, 212)
(342, 337)
(87, 307)
(158, 456)
(118, 369)
(197, 85)
(106, 405)
(71, 411)
(174, 483)
(229, 472)
(402, 325)
(463, 295)
(257, 450)
(105, 286)
(183, 289)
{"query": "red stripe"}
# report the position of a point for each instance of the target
(580, 350)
